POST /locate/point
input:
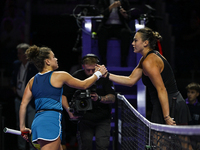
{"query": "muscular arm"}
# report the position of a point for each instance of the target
(153, 71)
(61, 77)
(152, 67)
(128, 80)
(76, 83)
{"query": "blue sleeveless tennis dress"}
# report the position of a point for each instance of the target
(48, 104)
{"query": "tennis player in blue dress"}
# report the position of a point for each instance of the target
(46, 88)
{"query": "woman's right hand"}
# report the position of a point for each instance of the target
(25, 132)
(102, 69)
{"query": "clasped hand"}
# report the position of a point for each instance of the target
(101, 68)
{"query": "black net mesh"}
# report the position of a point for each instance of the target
(135, 132)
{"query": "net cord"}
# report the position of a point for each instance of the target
(180, 129)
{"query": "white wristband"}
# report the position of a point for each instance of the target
(98, 74)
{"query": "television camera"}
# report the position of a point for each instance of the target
(81, 101)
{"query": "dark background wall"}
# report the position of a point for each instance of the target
(58, 32)
(52, 25)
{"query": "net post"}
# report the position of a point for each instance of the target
(149, 135)
(172, 111)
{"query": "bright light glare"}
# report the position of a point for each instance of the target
(139, 26)
(88, 25)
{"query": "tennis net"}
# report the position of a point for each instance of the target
(135, 132)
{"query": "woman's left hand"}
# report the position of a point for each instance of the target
(71, 115)
(170, 121)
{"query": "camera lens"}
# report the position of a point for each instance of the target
(83, 103)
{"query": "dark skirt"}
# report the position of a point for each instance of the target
(181, 111)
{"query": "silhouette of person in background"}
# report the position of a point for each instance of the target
(94, 122)
(23, 71)
(193, 90)
(115, 23)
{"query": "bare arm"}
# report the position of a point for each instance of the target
(65, 103)
(25, 101)
(152, 67)
(107, 99)
(128, 80)
(80, 84)
(110, 98)
(66, 106)
(61, 77)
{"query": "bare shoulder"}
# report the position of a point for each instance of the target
(31, 80)
(152, 62)
(60, 72)
(152, 59)
(149, 60)
(30, 83)
(60, 75)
